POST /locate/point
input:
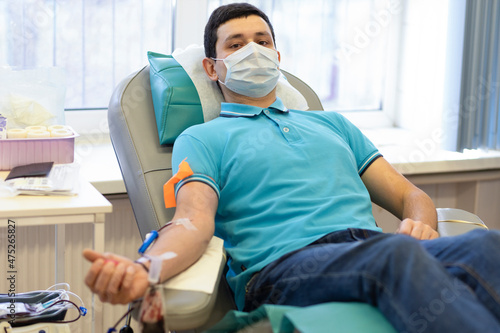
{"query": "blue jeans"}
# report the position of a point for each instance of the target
(449, 284)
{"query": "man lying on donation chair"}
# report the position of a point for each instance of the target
(290, 193)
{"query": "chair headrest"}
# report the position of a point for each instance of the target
(183, 95)
(210, 95)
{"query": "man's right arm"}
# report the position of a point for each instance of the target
(197, 202)
(117, 279)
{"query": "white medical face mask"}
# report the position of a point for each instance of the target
(252, 70)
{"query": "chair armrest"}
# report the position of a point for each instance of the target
(189, 297)
(453, 221)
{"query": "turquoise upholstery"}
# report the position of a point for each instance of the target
(175, 99)
(334, 317)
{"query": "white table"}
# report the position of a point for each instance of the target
(89, 206)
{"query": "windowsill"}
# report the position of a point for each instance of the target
(412, 156)
(100, 166)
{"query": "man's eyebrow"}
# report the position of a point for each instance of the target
(263, 33)
(240, 35)
(235, 36)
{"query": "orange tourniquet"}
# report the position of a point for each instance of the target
(169, 187)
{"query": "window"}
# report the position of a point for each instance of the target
(100, 42)
(340, 48)
(380, 62)
(97, 42)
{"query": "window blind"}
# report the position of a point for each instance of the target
(479, 120)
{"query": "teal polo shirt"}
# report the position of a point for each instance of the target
(284, 179)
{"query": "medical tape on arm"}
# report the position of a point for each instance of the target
(182, 221)
(154, 271)
(154, 275)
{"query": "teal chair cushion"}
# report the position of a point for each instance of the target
(334, 317)
(175, 99)
(180, 103)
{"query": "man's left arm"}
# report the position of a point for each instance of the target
(393, 192)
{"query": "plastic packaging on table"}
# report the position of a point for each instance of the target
(19, 149)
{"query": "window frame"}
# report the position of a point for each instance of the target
(386, 116)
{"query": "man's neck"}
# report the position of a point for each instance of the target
(262, 102)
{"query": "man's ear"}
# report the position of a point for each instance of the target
(209, 67)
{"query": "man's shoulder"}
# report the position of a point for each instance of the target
(318, 114)
(206, 128)
(327, 117)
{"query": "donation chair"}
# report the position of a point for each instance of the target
(153, 106)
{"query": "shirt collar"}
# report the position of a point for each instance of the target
(244, 110)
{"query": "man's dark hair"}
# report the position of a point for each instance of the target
(225, 13)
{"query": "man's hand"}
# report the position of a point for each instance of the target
(115, 279)
(417, 229)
